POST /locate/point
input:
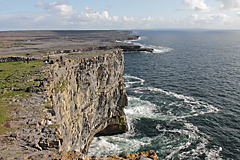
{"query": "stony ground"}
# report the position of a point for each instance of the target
(28, 135)
(25, 140)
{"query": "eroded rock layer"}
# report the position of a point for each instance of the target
(88, 96)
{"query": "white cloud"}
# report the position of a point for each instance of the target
(197, 5)
(238, 14)
(59, 8)
(230, 4)
(216, 20)
(131, 19)
(91, 17)
(115, 18)
(90, 14)
(60, 15)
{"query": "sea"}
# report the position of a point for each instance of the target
(183, 98)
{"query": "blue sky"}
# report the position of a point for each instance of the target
(116, 14)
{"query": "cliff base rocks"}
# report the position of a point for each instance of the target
(72, 155)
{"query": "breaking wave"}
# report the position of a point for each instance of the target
(156, 49)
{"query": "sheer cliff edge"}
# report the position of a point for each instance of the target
(88, 96)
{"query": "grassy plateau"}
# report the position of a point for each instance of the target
(15, 78)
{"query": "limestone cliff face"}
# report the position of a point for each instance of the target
(88, 96)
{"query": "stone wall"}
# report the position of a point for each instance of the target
(88, 96)
(13, 59)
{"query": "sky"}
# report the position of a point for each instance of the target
(119, 14)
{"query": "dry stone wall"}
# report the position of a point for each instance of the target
(13, 59)
(88, 96)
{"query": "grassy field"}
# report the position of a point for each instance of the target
(15, 78)
(19, 75)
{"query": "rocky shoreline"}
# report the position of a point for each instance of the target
(29, 136)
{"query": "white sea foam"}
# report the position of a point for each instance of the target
(139, 108)
(171, 142)
(188, 135)
(189, 105)
(109, 145)
(181, 107)
(156, 49)
(201, 143)
(131, 80)
(101, 145)
(178, 139)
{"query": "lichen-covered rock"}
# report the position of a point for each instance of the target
(88, 95)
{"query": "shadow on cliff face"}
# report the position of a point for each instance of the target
(118, 125)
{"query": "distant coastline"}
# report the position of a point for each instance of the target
(38, 43)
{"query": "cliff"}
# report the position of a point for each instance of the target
(83, 96)
(88, 96)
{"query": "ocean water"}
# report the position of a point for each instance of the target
(184, 98)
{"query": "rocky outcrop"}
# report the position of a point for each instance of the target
(72, 155)
(126, 47)
(88, 96)
(135, 48)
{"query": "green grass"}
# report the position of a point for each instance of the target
(13, 93)
(17, 75)
(46, 106)
(53, 125)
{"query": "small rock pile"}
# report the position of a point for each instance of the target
(72, 155)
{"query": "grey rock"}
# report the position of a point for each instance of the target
(88, 97)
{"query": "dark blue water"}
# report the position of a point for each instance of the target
(184, 99)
